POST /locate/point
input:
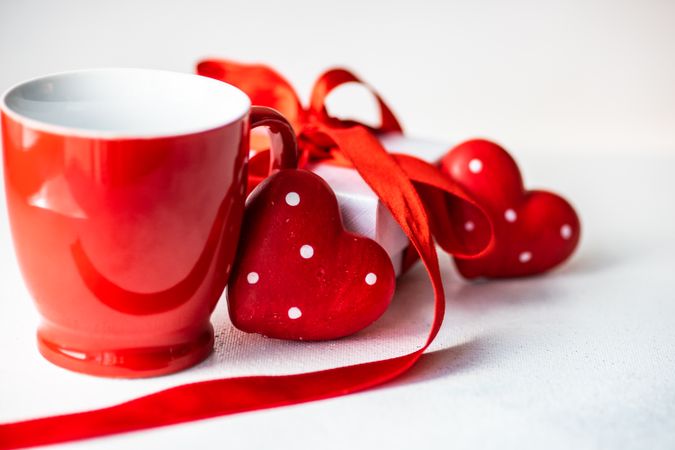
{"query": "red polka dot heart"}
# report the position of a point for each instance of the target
(298, 274)
(533, 230)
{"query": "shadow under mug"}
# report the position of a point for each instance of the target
(125, 190)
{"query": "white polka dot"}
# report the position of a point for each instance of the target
(510, 215)
(294, 313)
(525, 257)
(306, 251)
(371, 279)
(566, 231)
(292, 199)
(475, 165)
(252, 277)
(469, 226)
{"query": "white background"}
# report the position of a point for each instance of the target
(582, 93)
(543, 75)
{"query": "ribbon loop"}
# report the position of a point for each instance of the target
(329, 81)
(263, 85)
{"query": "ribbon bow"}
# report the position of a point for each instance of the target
(316, 130)
(266, 87)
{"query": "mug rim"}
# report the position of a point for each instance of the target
(92, 133)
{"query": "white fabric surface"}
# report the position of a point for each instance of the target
(580, 358)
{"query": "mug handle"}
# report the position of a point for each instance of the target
(283, 144)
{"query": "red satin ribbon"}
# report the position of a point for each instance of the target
(393, 178)
(443, 198)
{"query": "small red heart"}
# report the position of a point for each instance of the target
(298, 273)
(534, 231)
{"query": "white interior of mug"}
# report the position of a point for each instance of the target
(124, 103)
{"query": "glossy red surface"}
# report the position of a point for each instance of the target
(534, 230)
(125, 245)
(332, 283)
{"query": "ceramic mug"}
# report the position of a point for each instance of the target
(125, 190)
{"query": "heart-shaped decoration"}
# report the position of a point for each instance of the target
(534, 231)
(298, 274)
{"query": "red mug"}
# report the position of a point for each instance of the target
(125, 190)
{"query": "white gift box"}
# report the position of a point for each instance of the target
(362, 212)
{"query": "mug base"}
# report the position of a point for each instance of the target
(129, 363)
